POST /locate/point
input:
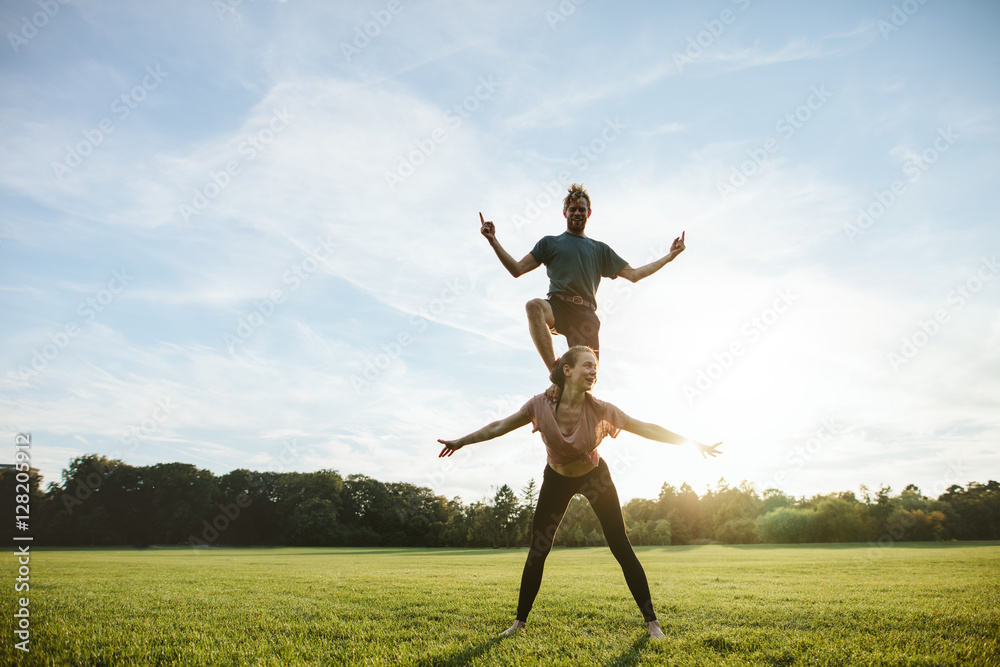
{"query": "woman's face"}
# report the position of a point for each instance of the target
(584, 373)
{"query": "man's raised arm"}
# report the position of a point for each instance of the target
(635, 275)
(528, 263)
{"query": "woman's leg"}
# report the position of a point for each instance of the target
(553, 499)
(603, 497)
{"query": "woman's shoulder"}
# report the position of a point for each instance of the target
(537, 402)
(593, 400)
(601, 407)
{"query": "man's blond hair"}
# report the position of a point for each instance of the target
(576, 191)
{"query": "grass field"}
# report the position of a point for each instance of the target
(919, 604)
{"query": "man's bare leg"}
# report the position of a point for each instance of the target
(540, 318)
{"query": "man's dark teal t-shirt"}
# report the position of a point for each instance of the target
(576, 264)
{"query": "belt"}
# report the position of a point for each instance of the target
(574, 299)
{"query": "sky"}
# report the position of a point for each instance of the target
(246, 234)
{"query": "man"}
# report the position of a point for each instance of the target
(575, 265)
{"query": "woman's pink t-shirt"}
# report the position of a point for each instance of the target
(597, 420)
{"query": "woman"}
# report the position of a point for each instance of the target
(571, 429)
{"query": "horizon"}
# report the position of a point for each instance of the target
(720, 485)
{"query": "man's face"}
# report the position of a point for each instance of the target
(576, 214)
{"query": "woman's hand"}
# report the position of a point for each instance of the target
(450, 447)
(709, 450)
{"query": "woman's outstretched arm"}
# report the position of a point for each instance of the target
(488, 432)
(660, 434)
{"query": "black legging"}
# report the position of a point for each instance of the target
(553, 499)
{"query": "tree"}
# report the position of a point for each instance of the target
(660, 533)
(479, 525)
(97, 503)
(681, 508)
(838, 519)
(641, 510)
(785, 525)
(366, 503)
(254, 493)
(736, 510)
(455, 531)
(918, 525)
(775, 498)
(579, 522)
(314, 523)
(526, 512)
(504, 513)
(913, 516)
(293, 488)
(975, 510)
(420, 515)
(102, 501)
(175, 499)
(644, 522)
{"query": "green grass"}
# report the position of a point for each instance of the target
(921, 604)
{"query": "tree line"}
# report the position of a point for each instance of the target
(102, 502)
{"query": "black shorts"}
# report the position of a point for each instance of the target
(578, 323)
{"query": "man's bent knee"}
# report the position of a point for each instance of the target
(535, 306)
(540, 308)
